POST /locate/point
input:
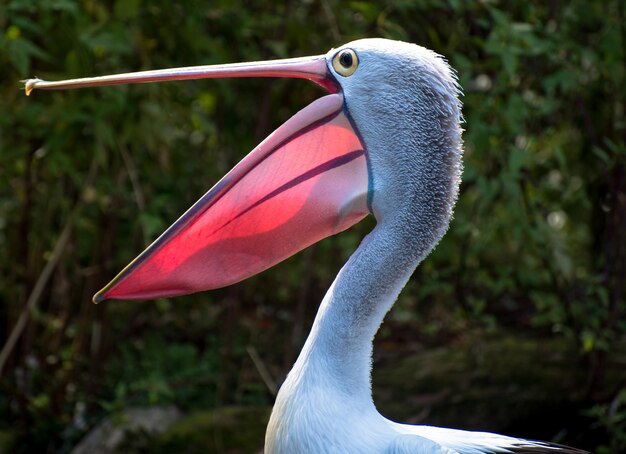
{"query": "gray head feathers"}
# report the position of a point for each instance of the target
(404, 100)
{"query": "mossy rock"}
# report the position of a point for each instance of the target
(230, 430)
(128, 431)
(508, 383)
(7, 441)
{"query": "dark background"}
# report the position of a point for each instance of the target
(517, 321)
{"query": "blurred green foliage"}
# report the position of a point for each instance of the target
(538, 242)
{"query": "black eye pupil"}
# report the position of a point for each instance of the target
(346, 59)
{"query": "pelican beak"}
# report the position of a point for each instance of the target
(306, 181)
(311, 68)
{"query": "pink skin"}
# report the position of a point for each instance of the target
(306, 181)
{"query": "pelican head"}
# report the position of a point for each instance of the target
(386, 141)
(404, 101)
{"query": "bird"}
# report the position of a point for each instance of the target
(385, 141)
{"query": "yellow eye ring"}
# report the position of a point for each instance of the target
(345, 62)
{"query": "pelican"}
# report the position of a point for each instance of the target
(386, 141)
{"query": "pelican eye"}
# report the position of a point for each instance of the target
(345, 62)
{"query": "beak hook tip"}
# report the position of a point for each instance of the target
(30, 85)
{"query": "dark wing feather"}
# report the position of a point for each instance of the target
(540, 447)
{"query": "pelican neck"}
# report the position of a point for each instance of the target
(341, 340)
